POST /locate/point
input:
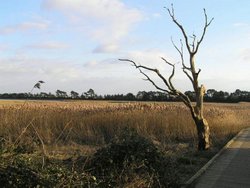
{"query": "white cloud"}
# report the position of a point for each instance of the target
(106, 48)
(157, 15)
(104, 68)
(22, 72)
(245, 54)
(147, 57)
(150, 57)
(33, 25)
(49, 45)
(241, 24)
(63, 73)
(26, 66)
(108, 20)
(3, 47)
(25, 26)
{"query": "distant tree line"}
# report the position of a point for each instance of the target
(211, 95)
(59, 94)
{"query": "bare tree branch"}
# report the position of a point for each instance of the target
(171, 14)
(180, 51)
(172, 90)
(204, 31)
(172, 74)
(193, 43)
(184, 67)
(189, 77)
(154, 84)
(194, 46)
(198, 72)
(188, 103)
(150, 69)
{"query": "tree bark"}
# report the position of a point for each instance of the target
(203, 133)
(200, 122)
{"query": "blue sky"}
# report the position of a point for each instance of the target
(75, 44)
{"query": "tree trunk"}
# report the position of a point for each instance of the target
(203, 133)
(201, 123)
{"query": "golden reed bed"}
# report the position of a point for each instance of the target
(98, 122)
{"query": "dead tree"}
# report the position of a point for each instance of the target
(192, 74)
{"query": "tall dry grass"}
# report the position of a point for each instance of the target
(96, 123)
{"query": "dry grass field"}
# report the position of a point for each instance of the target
(48, 136)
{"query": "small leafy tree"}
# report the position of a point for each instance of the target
(74, 95)
(37, 85)
(61, 94)
(90, 94)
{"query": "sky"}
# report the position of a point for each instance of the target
(76, 44)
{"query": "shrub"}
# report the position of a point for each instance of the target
(132, 157)
(19, 176)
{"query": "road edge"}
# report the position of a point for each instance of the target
(192, 180)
